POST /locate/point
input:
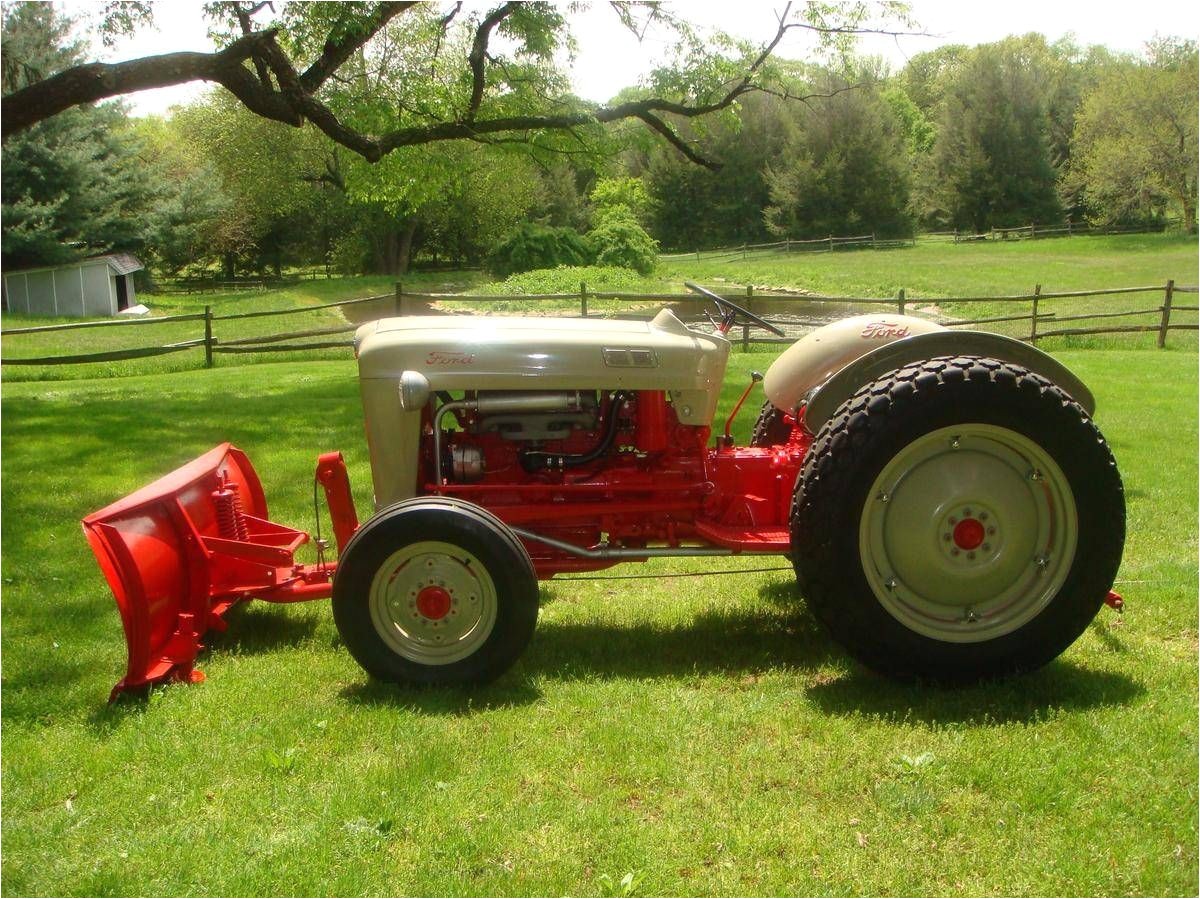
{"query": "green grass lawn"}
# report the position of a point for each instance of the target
(693, 735)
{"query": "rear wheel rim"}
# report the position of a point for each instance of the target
(968, 533)
(434, 603)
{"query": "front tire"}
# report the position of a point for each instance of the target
(435, 591)
(959, 518)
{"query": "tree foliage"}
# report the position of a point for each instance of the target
(448, 78)
(623, 243)
(844, 166)
(1136, 136)
(532, 246)
(991, 164)
(72, 186)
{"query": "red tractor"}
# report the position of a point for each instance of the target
(951, 509)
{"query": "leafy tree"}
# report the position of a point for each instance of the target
(191, 216)
(625, 244)
(991, 163)
(620, 199)
(1136, 136)
(449, 81)
(72, 186)
(843, 169)
(694, 207)
(533, 246)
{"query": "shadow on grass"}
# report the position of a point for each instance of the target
(1060, 686)
(509, 692)
(255, 629)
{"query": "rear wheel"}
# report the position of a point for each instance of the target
(772, 427)
(956, 519)
(435, 591)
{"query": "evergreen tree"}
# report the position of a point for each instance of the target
(72, 185)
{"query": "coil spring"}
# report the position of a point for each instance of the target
(231, 522)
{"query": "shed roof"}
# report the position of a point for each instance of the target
(119, 263)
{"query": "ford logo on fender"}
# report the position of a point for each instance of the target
(883, 330)
(436, 357)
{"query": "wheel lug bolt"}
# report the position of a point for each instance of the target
(983, 516)
(991, 530)
(971, 555)
(891, 583)
(953, 520)
(954, 552)
(946, 537)
(987, 547)
(966, 513)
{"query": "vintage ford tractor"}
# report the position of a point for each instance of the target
(951, 510)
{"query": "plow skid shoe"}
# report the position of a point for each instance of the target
(183, 550)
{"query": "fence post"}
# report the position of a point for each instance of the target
(743, 252)
(1166, 313)
(399, 302)
(1037, 292)
(787, 245)
(830, 243)
(697, 255)
(1032, 231)
(583, 299)
(208, 338)
(872, 240)
(900, 301)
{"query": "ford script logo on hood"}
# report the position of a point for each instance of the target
(884, 330)
(437, 357)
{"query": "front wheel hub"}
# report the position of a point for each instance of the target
(434, 603)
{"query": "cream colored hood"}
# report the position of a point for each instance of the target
(511, 353)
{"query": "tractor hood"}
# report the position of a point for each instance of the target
(524, 353)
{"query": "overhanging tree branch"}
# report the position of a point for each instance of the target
(294, 98)
(336, 52)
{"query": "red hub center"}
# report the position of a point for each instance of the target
(968, 533)
(434, 603)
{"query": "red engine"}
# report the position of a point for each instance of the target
(609, 472)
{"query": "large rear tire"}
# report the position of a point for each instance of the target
(959, 518)
(435, 591)
(771, 428)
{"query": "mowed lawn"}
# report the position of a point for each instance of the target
(675, 735)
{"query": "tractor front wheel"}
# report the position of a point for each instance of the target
(956, 519)
(435, 591)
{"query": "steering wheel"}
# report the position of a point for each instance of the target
(731, 312)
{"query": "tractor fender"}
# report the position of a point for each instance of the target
(816, 357)
(825, 398)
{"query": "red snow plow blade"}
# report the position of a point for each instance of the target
(179, 553)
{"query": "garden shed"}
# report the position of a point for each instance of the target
(101, 285)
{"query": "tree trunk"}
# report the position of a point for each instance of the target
(229, 267)
(404, 247)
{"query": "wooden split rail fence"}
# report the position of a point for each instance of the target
(1042, 324)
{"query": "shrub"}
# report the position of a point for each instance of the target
(564, 279)
(622, 242)
(533, 246)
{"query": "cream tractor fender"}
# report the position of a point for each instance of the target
(828, 366)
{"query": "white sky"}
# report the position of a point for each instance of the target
(610, 58)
